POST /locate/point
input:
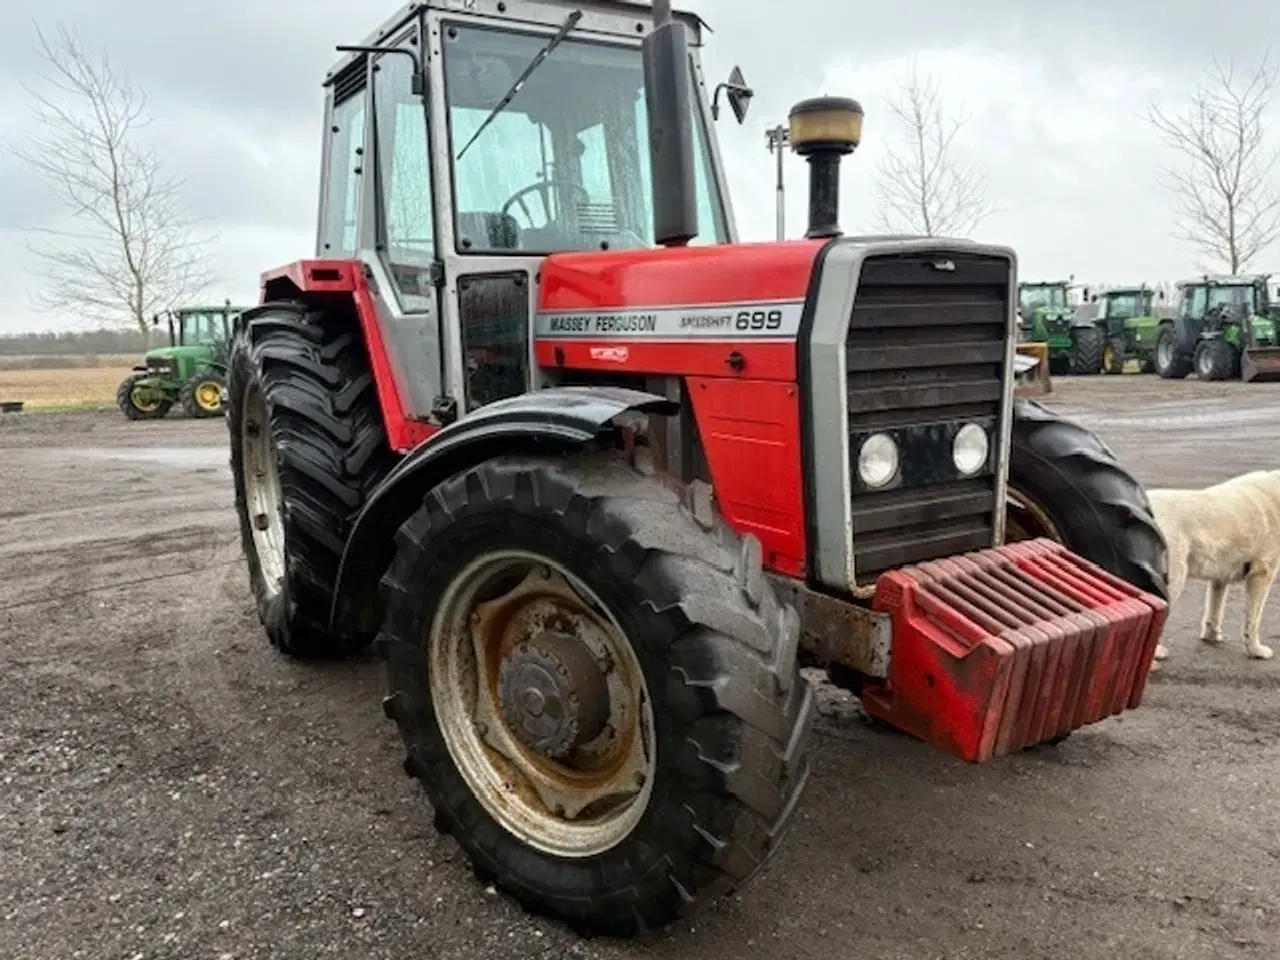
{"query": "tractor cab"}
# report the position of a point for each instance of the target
(194, 329)
(1125, 303)
(1223, 330)
(464, 149)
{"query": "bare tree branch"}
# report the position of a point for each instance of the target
(134, 250)
(1224, 177)
(924, 187)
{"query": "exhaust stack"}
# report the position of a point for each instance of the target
(668, 89)
(823, 130)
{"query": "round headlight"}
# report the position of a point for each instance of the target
(878, 460)
(969, 451)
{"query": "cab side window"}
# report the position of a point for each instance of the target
(340, 236)
(404, 177)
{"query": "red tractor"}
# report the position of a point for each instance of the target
(597, 480)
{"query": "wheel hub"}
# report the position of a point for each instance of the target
(552, 694)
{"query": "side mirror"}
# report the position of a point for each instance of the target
(1085, 291)
(1160, 296)
(736, 92)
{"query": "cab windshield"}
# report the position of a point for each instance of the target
(1126, 305)
(1051, 298)
(1231, 297)
(202, 327)
(565, 165)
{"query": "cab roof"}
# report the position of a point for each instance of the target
(1226, 280)
(641, 9)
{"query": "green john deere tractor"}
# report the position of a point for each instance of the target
(1225, 328)
(188, 372)
(1130, 318)
(1048, 315)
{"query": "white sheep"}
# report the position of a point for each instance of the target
(1222, 535)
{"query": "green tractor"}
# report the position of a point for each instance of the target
(1225, 328)
(1047, 314)
(1130, 318)
(189, 372)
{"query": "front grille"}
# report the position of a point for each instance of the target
(925, 354)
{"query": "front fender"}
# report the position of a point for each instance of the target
(555, 420)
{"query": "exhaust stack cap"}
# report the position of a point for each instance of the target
(825, 124)
(823, 130)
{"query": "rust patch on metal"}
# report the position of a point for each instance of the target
(1035, 382)
(838, 631)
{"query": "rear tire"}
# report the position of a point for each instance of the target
(716, 649)
(1169, 363)
(1066, 484)
(196, 399)
(128, 404)
(1215, 360)
(1086, 350)
(307, 446)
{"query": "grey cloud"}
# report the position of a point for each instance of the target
(236, 88)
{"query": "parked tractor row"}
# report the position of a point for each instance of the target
(1223, 328)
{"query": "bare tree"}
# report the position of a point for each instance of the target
(924, 185)
(133, 249)
(1227, 201)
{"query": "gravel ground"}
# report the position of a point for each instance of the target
(170, 788)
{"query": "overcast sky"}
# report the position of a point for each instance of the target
(1056, 92)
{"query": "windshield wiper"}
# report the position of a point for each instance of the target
(570, 22)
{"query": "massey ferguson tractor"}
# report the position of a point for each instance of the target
(597, 480)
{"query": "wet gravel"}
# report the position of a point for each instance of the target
(170, 788)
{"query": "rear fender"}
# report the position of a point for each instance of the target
(341, 285)
(558, 420)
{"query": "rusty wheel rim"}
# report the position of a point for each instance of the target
(542, 704)
(1024, 519)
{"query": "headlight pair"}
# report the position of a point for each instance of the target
(878, 460)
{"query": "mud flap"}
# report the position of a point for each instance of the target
(1260, 365)
(1001, 649)
(1031, 370)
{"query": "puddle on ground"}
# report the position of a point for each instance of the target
(181, 458)
(1167, 418)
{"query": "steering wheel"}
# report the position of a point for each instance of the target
(543, 188)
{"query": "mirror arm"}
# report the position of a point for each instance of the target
(418, 83)
(732, 87)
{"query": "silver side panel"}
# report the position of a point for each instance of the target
(831, 480)
(412, 338)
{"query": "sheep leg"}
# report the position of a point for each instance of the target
(1215, 602)
(1177, 583)
(1257, 586)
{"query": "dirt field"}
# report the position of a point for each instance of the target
(172, 789)
(80, 388)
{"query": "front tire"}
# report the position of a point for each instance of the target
(686, 603)
(201, 396)
(1215, 360)
(1066, 484)
(1113, 357)
(133, 408)
(1086, 350)
(307, 446)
